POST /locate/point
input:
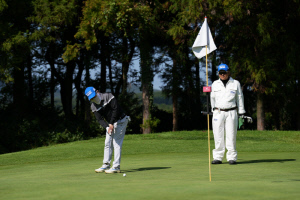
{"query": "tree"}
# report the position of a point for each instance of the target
(263, 29)
(56, 24)
(125, 21)
(146, 52)
(185, 15)
(16, 55)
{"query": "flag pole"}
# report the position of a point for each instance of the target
(203, 45)
(208, 138)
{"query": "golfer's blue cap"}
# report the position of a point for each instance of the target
(90, 92)
(223, 67)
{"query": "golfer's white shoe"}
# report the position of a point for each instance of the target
(102, 169)
(113, 170)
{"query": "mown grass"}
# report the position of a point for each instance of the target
(158, 166)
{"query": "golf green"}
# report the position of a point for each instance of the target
(158, 166)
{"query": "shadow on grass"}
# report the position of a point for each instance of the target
(284, 181)
(145, 169)
(265, 161)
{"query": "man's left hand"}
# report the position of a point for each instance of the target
(249, 119)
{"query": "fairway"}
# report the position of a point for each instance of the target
(158, 166)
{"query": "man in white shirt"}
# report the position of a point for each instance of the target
(227, 101)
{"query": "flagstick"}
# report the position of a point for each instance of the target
(205, 38)
(208, 138)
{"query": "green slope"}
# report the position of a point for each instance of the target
(158, 166)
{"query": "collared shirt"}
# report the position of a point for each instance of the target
(227, 97)
(108, 111)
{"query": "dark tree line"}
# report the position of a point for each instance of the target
(50, 46)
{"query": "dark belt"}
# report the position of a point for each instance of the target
(122, 116)
(225, 109)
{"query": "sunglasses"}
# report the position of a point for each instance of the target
(222, 73)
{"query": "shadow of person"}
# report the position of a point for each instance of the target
(145, 169)
(265, 161)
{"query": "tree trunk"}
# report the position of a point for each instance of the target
(297, 104)
(298, 120)
(52, 88)
(260, 113)
(198, 87)
(19, 90)
(146, 109)
(80, 98)
(190, 88)
(87, 82)
(110, 76)
(103, 60)
(66, 90)
(30, 83)
(51, 61)
(118, 87)
(146, 78)
(125, 65)
(174, 95)
(214, 56)
(127, 57)
(175, 116)
(214, 67)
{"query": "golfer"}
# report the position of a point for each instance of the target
(227, 101)
(110, 116)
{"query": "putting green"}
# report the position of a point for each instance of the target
(67, 172)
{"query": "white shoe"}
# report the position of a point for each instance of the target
(102, 169)
(113, 170)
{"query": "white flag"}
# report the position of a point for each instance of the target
(204, 38)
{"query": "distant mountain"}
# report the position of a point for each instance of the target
(136, 89)
(159, 99)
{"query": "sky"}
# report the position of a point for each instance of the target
(157, 82)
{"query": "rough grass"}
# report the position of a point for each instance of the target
(158, 166)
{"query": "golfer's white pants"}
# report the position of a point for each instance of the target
(225, 124)
(114, 143)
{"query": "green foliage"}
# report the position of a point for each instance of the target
(71, 52)
(177, 33)
(115, 16)
(66, 136)
(14, 46)
(52, 14)
(24, 133)
(42, 127)
(165, 107)
(152, 123)
(263, 25)
(3, 5)
(5, 75)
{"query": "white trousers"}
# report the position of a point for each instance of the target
(225, 124)
(114, 143)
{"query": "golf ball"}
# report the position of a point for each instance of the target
(124, 175)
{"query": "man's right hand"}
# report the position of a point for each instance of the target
(110, 129)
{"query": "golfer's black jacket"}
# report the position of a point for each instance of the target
(108, 111)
